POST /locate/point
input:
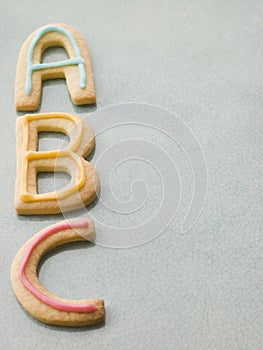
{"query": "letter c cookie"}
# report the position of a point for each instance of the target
(32, 295)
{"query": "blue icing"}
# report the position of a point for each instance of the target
(78, 60)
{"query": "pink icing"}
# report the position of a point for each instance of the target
(59, 305)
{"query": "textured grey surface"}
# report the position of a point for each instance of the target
(203, 290)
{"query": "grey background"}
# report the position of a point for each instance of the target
(203, 290)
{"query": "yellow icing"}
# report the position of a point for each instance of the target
(68, 152)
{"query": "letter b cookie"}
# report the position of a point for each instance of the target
(84, 184)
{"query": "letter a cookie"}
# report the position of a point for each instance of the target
(77, 70)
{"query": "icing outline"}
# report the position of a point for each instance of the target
(78, 60)
(69, 152)
(57, 304)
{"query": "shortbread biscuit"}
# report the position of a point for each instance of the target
(77, 70)
(32, 295)
(84, 184)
